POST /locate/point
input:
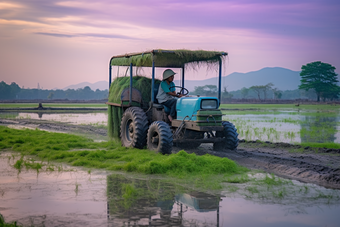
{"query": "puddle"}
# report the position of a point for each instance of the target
(75, 197)
(97, 118)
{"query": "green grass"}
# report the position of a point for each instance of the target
(79, 151)
(4, 224)
(322, 145)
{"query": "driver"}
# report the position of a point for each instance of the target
(167, 93)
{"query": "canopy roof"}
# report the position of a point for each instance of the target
(167, 58)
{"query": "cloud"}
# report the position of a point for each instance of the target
(257, 33)
(109, 36)
(288, 17)
(55, 34)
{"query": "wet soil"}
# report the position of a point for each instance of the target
(318, 166)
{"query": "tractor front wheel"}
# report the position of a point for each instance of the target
(133, 128)
(229, 134)
(160, 137)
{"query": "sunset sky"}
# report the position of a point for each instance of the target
(57, 43)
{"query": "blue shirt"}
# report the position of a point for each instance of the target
(164, 88)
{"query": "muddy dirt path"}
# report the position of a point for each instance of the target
(320, 167)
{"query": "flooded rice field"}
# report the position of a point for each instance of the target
(62, 196)
(288, 126)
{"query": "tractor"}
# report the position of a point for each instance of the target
(136, 117)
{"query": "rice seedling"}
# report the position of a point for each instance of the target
(60, 168)
(252, 189)
(76, 190)
(280, 194)
(2, 192)
(232, 188)
(271, 180)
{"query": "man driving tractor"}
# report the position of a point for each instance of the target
(167, 93)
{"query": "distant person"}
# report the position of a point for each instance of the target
(167, 93)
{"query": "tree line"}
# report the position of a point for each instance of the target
(318, 82)
(13, 91)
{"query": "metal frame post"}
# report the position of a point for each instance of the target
(110, 74)
(130, 95)
(153, 82)
(219, 79)
(183, 78)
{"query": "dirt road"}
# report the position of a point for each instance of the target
(321, 167)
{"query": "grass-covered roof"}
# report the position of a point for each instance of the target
(167, 58)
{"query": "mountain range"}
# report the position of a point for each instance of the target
(282, 78)
(101, 85)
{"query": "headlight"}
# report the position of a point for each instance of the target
(209, 104)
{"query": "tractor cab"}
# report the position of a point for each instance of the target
(136, 117)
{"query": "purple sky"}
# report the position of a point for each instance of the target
(57, 43)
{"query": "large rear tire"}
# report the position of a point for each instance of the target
(133, 128)
(229, 134)
(160, 137)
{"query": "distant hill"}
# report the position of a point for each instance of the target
(101, 85)
(283, 79)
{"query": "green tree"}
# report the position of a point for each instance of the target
(50, 95)
(244, 92)
(9, 91)
(258, 90)
(277, 93)
(206, 90)
(267, 88)
(226, 94)
(320, 77)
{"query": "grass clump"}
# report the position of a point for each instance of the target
(271, 180)
(183, 162)
(4, 224)
(141, 83)
(79, 151)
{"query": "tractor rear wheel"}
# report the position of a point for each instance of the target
(160, 137)
(229, 134)
(133, 128)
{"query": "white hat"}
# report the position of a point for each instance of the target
(167, 73)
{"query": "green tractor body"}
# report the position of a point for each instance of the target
(139, 120)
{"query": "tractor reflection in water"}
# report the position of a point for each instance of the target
(153, 202)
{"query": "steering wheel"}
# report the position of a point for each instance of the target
(186, 92)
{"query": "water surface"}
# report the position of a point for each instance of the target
(76, 197)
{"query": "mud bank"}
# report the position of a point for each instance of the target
(321, 166)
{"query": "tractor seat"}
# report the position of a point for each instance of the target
(156, 104)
